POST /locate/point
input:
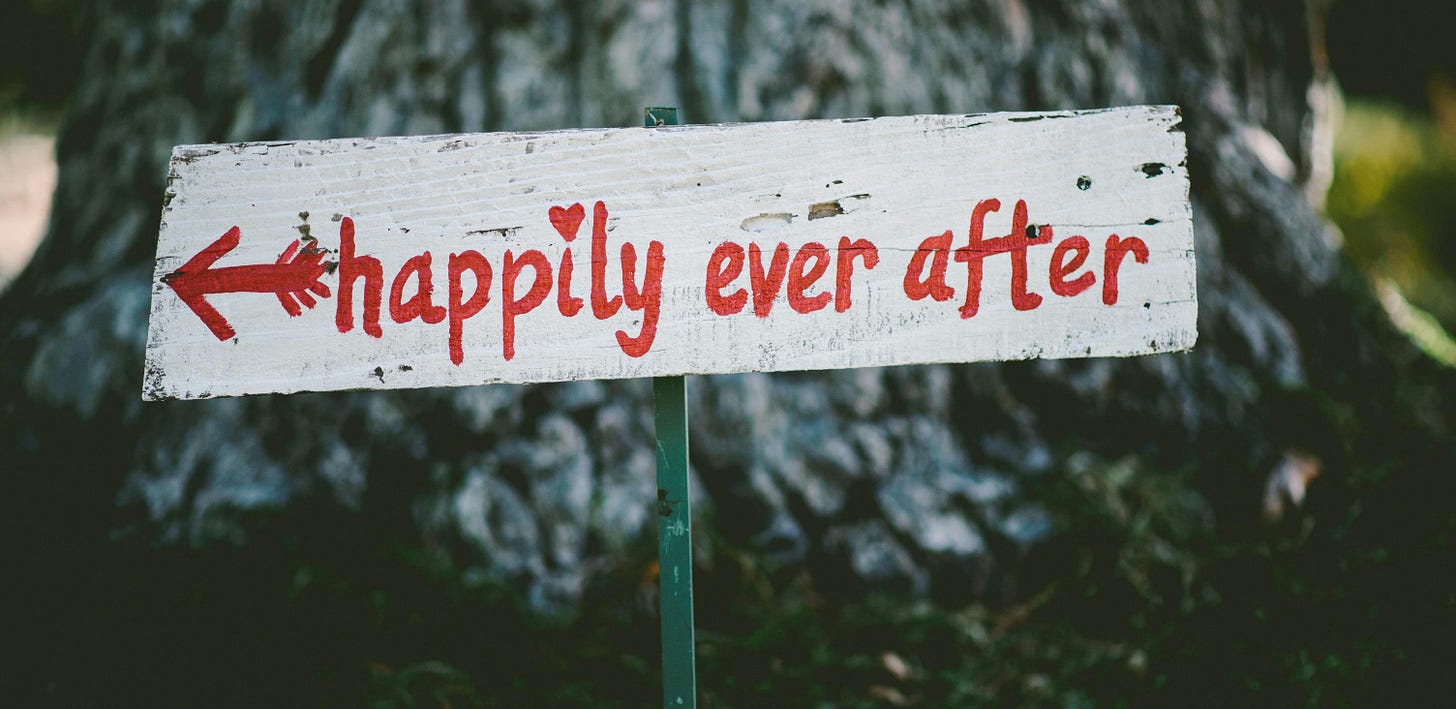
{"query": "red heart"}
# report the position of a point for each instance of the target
(568, 220)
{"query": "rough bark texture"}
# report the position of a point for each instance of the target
(922, 479)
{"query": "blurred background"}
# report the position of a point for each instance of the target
(1266, 520)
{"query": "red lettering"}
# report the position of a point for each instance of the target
(460, 310)
(724, 266)
(1021, 298)
(766, 286)
(565, 302)
(1014, 243)
(1112, 260)
(799, 280)
(919, 286)
(352, 267)
(648, 299)
(511, 306)
(1060, 269)
(567, 222)
(420, 306)
(602, 307)
(973, 253)
(844, 267)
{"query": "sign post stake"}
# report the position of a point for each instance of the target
(674, 519)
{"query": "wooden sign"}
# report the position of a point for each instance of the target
(595, 254)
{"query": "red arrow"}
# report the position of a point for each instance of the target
(289, 280)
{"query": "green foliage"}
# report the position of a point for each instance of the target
(1138, 600)
(1395, 176)
(420, 684)
(1084, 637)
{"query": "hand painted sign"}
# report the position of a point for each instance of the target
(525, 257)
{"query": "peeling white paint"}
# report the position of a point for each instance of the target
(896, 181)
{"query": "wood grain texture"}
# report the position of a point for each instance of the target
(891, 181)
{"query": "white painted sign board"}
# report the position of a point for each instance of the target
(594, 254)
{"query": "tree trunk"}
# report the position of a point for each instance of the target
(931, 480)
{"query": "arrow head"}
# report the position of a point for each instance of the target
(190, 283)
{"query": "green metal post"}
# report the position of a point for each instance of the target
(674, 521)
